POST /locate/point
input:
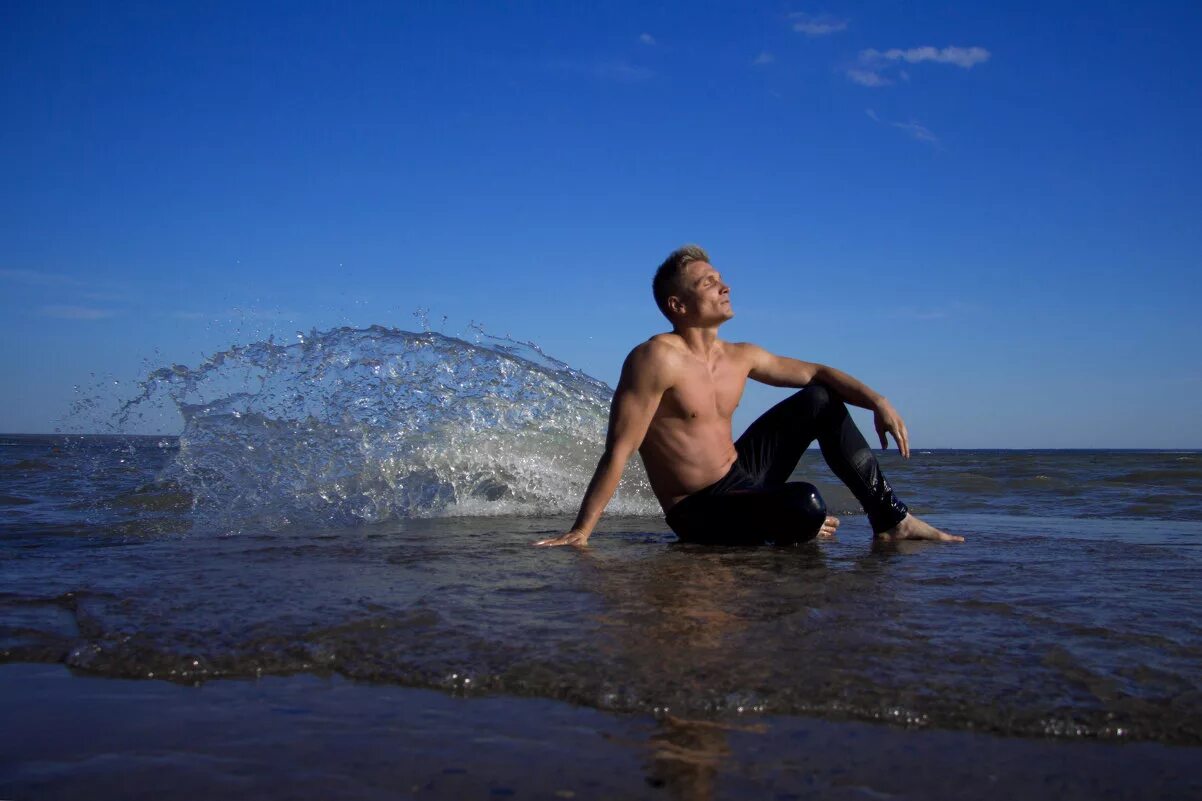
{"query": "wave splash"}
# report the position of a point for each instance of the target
(366, 425)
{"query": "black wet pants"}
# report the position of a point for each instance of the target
(754, 504)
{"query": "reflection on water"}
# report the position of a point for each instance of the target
(1057, 626)
(687, 756)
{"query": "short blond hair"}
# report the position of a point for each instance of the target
(668, 278)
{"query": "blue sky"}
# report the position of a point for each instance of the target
(989, 212)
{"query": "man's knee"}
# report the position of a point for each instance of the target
(818, 398)
(806, 513)
(807, 500)
(814, 392)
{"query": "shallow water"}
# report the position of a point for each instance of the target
(318, 515)
(1075, 627)
(306, 736)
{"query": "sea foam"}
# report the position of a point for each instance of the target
(366, 425)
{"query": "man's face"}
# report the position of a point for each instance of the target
(706, 296)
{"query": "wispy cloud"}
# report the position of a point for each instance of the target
(914, 130)
(873, 66)
(36, 278)
(867, 77)
(107, 297)
(234, 314)
(646, 39)
(76, 312)
(814, 25)
(917, 131)
(964, 57)
(763, 58)
(60, 287)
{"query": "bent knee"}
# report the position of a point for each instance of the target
(815, 392)
(806, 499)
(806, 512)
(819, 397)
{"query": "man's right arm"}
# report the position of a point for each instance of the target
(645, 378)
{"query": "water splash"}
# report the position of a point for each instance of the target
(365, 425)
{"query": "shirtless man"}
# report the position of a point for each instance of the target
(674, 404)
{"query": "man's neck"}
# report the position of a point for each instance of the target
(700, 340)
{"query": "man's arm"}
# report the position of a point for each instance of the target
(644, 381)
(781, 371)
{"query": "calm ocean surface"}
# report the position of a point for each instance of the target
(361, 503)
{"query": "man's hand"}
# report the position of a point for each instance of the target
(886, 419)
(573, 537)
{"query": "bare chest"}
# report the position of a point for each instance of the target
(704, 392)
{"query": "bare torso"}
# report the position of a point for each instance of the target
(678, 394)
(689, 443)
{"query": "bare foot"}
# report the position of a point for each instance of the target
(911, 528)
(828, 528)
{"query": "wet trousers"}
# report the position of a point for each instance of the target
(754, 503)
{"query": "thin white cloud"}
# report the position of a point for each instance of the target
(963, 57)
(917, 131)
(914, 130)
(35, 278)
(646, 38)
(234, 314)
(763, 58)
(262, 314)
(814, 25)
(876, 67)
(107, 297)
(867, 77)
(76, 312)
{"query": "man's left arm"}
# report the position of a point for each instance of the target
(781, 371)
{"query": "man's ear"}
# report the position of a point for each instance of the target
(676, 305)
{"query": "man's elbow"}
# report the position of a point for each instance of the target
(618, 452)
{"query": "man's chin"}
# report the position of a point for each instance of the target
(723, 317)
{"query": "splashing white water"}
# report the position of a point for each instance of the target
(364, 425)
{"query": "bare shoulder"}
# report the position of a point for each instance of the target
(747, 352)
(656, 361)
(658, 351)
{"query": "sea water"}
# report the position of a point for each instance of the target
(362, 503)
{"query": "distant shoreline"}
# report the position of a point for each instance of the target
(34, 437)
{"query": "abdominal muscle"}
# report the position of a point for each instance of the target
(683, 456)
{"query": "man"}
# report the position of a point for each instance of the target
(674, 404)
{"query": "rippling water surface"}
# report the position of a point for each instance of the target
(363, 503)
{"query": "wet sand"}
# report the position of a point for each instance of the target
(72, 736)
